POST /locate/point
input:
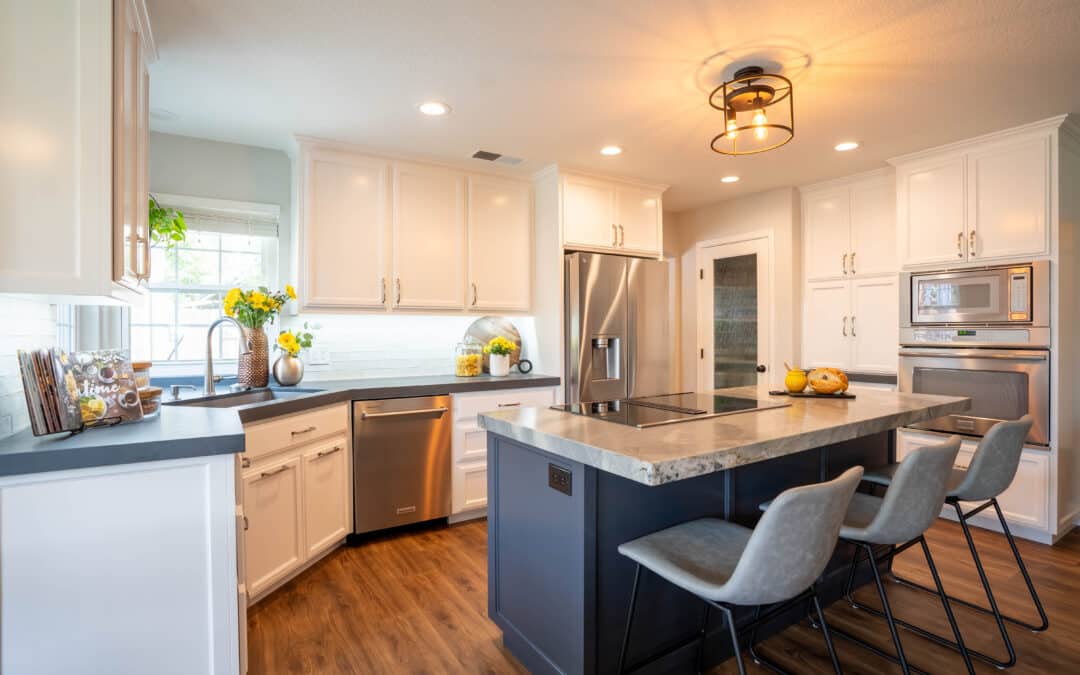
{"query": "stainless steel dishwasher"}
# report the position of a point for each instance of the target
(401, 461)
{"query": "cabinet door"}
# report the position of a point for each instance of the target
(873, 227)
(827, 234)
(826, 325)
(326, 495)
(344, 225)
(500, 244)
(126, 141)
(589, 213)
(931, 213)
(874, 328)
(639, 216)
(429, 237)
(1009, 199)
(273, 543)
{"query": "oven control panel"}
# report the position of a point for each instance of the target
(968, 336)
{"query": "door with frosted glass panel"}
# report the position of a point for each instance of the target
(734, 314)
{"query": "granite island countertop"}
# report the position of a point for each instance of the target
(193, 431)
(672, 452)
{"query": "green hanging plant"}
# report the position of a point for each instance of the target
(167, 227)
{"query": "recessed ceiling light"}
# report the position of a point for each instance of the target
(610, 150)
(434, 108)
(729, 179)
(846, 145)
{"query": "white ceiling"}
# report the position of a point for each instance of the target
(553, 81)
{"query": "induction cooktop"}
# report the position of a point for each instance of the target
(652, 411)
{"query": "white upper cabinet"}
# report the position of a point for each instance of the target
(827, 234)
(344, 231)
(639, 216)
(873, 227)
(988, 199)
(428, 237)
(81, 97)
(500, 233)
(589, 213)
(1009, 199)
(611, 216)
(930, 210)
(874, 328)
(826, 325)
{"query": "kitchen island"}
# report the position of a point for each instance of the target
(565, 490)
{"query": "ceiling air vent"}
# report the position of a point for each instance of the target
(489, 156)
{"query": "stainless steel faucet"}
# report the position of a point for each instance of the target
(208, 384)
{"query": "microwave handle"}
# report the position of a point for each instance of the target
(975, 354)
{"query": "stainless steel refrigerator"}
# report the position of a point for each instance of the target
(618, 328)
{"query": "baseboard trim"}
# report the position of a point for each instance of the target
(467, 515)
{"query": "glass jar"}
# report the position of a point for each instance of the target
(150, 399)
(142, 373)
(469, 359)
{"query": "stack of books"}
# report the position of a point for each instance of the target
(70, 392)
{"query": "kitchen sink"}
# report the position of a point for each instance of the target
(244, 398)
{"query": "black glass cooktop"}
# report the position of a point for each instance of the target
(651, 411)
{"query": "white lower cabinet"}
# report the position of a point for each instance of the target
(468, 473)
(1025, 503)
(272, 505)
(326, 495)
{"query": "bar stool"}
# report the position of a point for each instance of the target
(990, 473)
(725, 564)
(900, 519)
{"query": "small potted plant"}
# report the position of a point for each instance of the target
(289, 369)
(499, 350)
(254, 309)
(167, 226)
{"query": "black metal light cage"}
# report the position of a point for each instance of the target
(749, 90)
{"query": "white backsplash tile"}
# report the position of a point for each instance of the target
(29, 324)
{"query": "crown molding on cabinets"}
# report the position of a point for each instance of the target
(142, 18)
(884, 173)
(556, 169)
(1066, 122)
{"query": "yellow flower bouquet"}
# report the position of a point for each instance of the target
(499, 350)
(257, 307)
(291, 342)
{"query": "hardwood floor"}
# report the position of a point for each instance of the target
(416, 602)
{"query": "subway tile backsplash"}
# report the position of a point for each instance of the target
(29, 323)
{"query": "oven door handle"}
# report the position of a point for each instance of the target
(978, 354)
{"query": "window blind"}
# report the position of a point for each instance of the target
(223, 216)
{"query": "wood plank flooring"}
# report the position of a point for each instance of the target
(416, 602)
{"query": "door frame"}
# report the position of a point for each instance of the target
(703, 307)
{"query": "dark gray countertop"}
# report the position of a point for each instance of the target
(191, 431)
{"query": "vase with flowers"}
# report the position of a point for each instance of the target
(255, 309)
(288, 369)
(499, 350)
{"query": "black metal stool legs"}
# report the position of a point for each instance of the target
(729, 619)
(819, 624)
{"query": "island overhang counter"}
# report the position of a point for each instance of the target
(565, 490)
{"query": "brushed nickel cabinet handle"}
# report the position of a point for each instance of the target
(324, 453)
(143, 244)
(475, 294)
(959, 244)
(971, 243)
(843, 263)
(382, 291)
(510, 405)
(853, 327)
(853, 269)
(246, 524)
(267, 474)
(843, 330)
(622, 236)
(614, 234)
(299, 432)
(397, 284)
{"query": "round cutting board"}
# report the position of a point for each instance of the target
(487, 327)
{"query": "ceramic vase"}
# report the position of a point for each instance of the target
(499, 365)
(288, 370)
(254, 367)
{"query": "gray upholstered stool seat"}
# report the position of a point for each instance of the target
(699, 555)
(991, 471)
(776, 564)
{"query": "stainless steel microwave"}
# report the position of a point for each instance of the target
(1006, 295)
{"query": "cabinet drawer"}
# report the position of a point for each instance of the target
(264, 438)
(467, 406)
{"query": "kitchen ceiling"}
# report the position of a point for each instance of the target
(555, 81)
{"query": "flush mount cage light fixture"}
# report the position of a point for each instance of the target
(759, 113)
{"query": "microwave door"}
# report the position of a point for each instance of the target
(960, 297)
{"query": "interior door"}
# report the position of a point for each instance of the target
(734, 314)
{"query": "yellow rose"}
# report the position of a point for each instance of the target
(290, 291)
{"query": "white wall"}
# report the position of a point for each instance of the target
(775, 212)
(30, 324)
